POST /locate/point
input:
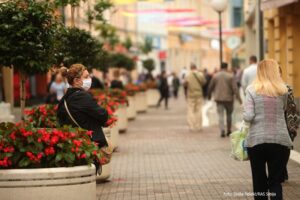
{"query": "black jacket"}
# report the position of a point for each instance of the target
(87, 113)
(115, 84)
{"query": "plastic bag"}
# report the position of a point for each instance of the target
(237, 140)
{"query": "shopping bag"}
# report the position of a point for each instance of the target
(237, 141)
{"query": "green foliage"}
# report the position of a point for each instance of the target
(26, 36)
(120, 60)
(76, 46)
(103, 60)
(147, 46)
(98, 12)
(149, 64)
(108, 34)
(127, 43)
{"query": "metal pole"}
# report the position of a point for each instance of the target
(220, 34)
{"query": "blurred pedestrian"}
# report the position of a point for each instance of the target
(249, 73)
(116, 83)
(96, 83)
(164, 89)
(224, 88)
(268, 140)
(194, 82)
(57, 88)
(175, 85)
(183, 75)
(208, 78)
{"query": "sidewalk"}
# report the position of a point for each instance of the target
(158, 158)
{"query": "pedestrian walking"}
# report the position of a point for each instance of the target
(208, 78)
(183, 76)
(194, 83)
(96, 82)
(224, 89)
(175, 85)
(268, 140)
(249, 74)
(163, 89)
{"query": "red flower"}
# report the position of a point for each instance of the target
(95, 152)
(13, 136)
(49, 151)
(8, 149)
(89, 133)
(83, 156)
(77, 143)
(54, 140)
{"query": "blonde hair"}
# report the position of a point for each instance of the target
(268, 81)
(75, 71)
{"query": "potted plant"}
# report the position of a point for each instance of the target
(27, 46)
(131, 91)
(47, 163)
(120, 97)
(141, 98)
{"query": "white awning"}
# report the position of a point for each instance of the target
(269, 4)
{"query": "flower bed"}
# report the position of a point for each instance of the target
(29, 147)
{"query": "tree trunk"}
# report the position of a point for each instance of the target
(22, 94)
(89, 21)
(72, 16)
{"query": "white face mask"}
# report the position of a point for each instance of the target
(86, 84)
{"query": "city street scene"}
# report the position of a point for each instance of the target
(149, 99)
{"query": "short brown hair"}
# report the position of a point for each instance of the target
(75, 71)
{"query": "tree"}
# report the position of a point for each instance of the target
(72, 3)
(97, 13)
(120, 60)
(127, 43)
(147, 46)
(26, 38)
(108, 34)
(76, 46)
(149, 64)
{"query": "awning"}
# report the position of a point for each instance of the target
(269, 4)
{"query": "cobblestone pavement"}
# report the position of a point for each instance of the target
(158, 158)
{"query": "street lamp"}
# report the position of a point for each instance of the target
(219, 6)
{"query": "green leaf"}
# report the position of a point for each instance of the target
(24, 162)
(58, 157)
(69, 157)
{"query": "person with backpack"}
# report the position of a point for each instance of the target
(194, 83)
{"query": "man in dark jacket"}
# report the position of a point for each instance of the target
(164, 89)
(224, 87)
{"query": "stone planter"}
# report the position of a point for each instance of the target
(106, 168)
(68, 183)
(114, 131)
(106, 171)
(141, 102)
(152, 97)
(5, 112)
(122, 118)
(131, 109)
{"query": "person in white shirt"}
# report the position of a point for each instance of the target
(249, 73)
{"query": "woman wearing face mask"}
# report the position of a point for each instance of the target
(85, 112)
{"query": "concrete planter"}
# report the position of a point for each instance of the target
(5, 112)
(141, 102)
(152, 97)
(122, 118)
(114, 131)
(106, 168)
(68, 183)
(131, 109)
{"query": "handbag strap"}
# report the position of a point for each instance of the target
(66, 106)
(197, 79)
